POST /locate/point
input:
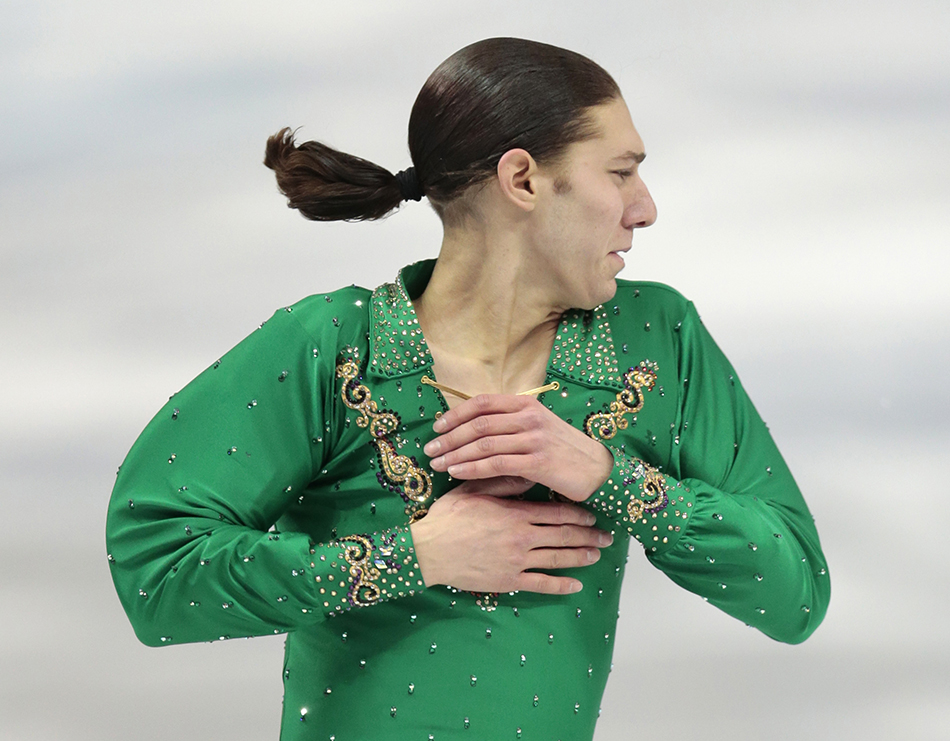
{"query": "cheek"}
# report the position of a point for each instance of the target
(605, 209)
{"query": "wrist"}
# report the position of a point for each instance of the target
(601, 465)
(422, 542)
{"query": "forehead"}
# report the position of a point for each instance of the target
(615, 137)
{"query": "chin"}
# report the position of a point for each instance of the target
(601, 295)
(611, 291)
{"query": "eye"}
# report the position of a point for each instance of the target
(623, 174)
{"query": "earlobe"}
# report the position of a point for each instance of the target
(516, 173)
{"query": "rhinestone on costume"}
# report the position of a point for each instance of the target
(583, 348)
(398, 473)
(605, 425)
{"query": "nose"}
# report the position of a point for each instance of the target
(641, 210)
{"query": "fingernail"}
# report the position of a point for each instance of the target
(590, 519)
(451, 470)
(439, 425)
(605, 539)
(432, 447)
(575, 586)
(592, 555)
(438, 462)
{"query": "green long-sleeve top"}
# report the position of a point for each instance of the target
(273, 495)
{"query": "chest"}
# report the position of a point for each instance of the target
(377, 475)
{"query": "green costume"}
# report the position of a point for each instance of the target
(316, 422)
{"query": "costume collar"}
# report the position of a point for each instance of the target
(583, 349)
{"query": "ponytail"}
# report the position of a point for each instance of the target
(327, 185)
(491, 97)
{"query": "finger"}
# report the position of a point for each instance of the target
(478, 406)
(533, 581)
(570, 536)
(484, 425)
(501, 486)
(485, 448)
(562, 558)
(525, 465)
(552, 513)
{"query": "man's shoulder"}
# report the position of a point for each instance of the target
(645, 293)
(343, 311)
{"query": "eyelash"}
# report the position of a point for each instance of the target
(624, 174)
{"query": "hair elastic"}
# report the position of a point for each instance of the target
(408, 183)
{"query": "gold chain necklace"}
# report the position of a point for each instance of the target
(426, 381)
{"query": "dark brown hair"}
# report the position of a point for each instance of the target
(486, 99)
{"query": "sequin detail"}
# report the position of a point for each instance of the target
(398, 473)
(652, 487)
(377, 568)
(358, 553)
(487, 601)
(651, 484)
(400, 345)
(604, 425)
(584, 349)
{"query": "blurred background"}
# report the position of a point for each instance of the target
(797, 155)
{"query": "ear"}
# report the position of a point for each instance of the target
(517, 172)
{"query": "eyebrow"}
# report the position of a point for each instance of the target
(637, 157)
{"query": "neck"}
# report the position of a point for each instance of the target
(485, 316)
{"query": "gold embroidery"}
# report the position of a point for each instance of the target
(651, 483)
(358, 553)
(398, 472)
(654, 489)
(357, 396)
(629, 401)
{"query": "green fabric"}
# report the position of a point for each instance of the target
(256, 502)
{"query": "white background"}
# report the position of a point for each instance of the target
(798, 157)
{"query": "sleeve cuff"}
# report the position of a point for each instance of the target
(652, 507)
(364, 570)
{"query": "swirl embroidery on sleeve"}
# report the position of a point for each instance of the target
(358, 553)
(652, 484)
(629, 401)
(398, 473)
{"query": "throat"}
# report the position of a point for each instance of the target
(492, 338)
(461, 375)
